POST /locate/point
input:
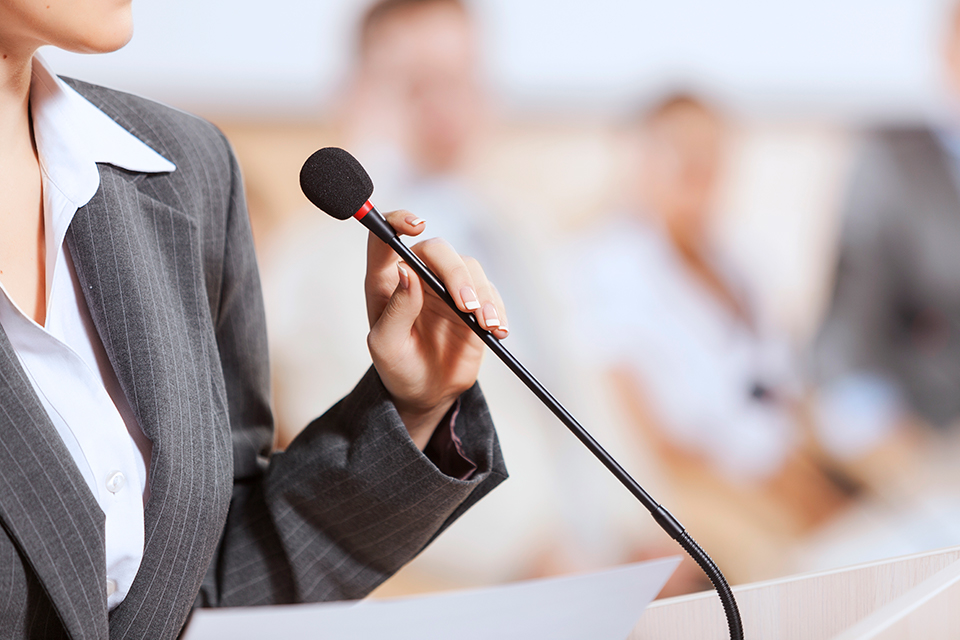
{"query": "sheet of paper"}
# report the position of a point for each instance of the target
(596, 606)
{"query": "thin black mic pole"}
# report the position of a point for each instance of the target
(382, 229)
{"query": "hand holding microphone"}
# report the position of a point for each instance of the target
(424, 353)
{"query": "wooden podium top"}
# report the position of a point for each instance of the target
(888, 598)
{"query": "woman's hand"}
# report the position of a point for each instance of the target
(425, 355)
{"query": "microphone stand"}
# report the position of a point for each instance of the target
(375, 222)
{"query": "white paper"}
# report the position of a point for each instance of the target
(596, 606)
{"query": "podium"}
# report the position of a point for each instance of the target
(916, 596)
(898, 599)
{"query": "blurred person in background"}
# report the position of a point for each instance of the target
(887, 356)
(415, 112)
(714, 393)
(411, 113)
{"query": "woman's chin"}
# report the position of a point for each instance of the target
(104, 40)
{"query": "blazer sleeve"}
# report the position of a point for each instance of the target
(352, 499)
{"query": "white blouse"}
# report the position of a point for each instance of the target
(716, 385)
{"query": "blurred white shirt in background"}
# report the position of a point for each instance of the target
(717, 386)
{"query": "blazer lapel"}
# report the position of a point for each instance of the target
(139, 263)
(47, 508)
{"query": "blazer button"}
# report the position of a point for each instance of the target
(115, 482)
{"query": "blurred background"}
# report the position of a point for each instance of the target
(726, 235)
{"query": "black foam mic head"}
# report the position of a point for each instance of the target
(335, 182)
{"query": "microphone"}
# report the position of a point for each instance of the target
(335, 182)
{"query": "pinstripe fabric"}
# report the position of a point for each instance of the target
(53, 553)
(168, 271)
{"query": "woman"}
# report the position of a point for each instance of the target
(135, 450)
(712, 389)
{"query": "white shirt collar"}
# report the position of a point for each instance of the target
(72, 136)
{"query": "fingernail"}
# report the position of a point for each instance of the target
(490, 317)
(469, 297)
(404, 276)
(414, 221)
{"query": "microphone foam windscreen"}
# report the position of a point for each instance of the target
(335, 182)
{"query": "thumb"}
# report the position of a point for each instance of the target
(395, 323)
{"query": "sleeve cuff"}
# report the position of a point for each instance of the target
(446, 451)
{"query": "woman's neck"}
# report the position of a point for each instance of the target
(15, 135)
(22, 244)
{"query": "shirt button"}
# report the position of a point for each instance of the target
(111, 587)
(115, 482)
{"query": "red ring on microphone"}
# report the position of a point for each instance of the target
(364, 210)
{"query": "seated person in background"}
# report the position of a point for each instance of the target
(715, 394)
(887, 357)
(414, 114)
(888, 354)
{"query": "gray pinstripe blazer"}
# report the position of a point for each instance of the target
(167, 267)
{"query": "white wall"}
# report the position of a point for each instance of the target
(844, 58)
